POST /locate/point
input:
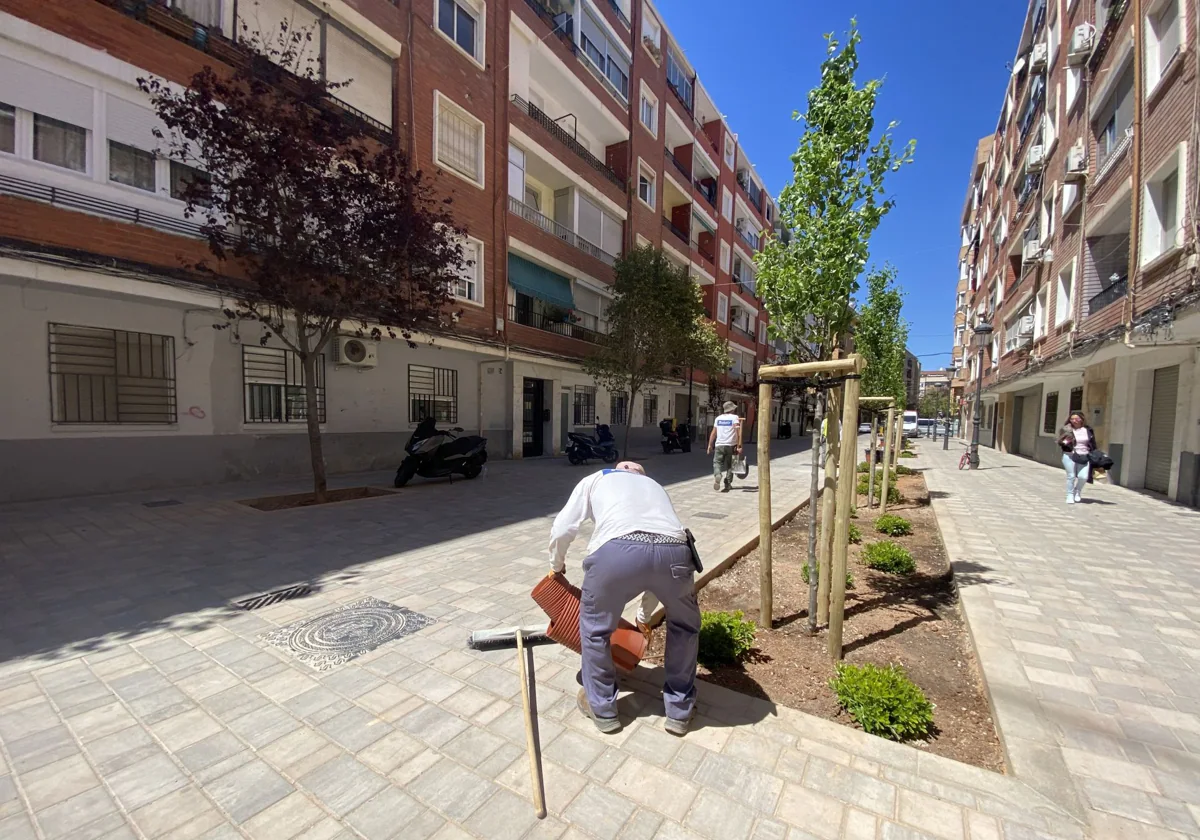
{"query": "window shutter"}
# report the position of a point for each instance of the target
(611, 234)
(370, 75)
(133, 125)
(34, 89)
(589, 221)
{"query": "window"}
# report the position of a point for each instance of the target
(590, 309)
(649, 111)
(1066, 295)
(1076, 400)
(585, 405)
(130, 166)
(1115, 118)
(469, 285)
(727, 204)
(1039, 314)
(516, 172)
(8, 128)
(1046, 222)
(620, 407)
(1050, 415)
(722, 308)
(649, 409)
(1069, 198)
(432, 392)
(1074, 83)
(762, 333)
(111, 376)
(1164, 25)
(458, 140)
(724, 255)
(646, 184)
(678, 79)
(1163, 208)
(274, 380)
(181, 176)
(605, 55)
(958, 335)
(59, 143)
(730, 150)
(651, 33)
(460, 23)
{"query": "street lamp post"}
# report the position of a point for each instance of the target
(982, 337)
(950, 371)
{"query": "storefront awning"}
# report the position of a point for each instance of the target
(531, 279)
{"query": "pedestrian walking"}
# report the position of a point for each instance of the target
(725, 441)
(638, 545)
(1078, 442)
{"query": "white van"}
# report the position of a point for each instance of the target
(910, 424)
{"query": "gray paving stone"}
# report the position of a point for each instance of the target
(574, 750)
(391, 814)
(432, 725)
(452, 789)
(503, 817)
(68, 819)
(17, 827)
(41, 748)
(249, 789)
(58, 782)
(209, 751)
(747, 785)
(355, 729)
(601, 810)
(144, 781)
(851, 786)
(719, 817)
(342, 784)
(473, 746)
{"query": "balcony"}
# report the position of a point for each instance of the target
(749, 238)
(520, 208)
(750, 189)
(744, 333)
(562, 23)
(616, 10)
(683, 170)
(1029, 186)
(681, 234)
(679, 82)
(561, 135)
(540, 321)
(1108, 296)
(744, 282)
(706, 253)
(708, 193)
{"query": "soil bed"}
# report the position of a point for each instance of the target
(295, 500)
(913, 620)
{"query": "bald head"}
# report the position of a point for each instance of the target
(631, 466)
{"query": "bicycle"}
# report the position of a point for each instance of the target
(965, 460)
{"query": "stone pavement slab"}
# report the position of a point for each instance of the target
(166, 715)
(1086, 619)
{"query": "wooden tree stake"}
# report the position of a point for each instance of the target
(887, 457)
(764, 504)
(870, 464)
(847, 480)
(828, 500)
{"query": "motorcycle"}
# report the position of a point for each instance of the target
(585, 447)
(677, 437)
(434, 453)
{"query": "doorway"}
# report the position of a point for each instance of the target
(1160, 451)
(1018, 417)
(532, 418)
(564, 418)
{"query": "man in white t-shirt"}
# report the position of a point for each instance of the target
(724, 441)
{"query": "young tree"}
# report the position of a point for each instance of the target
(321, 223)
(833, 204)
(656, 322)
(880, 335)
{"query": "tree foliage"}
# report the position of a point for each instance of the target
(656, 323)
(833, 204)
(934, 402)
(322, 223)
(880, 335)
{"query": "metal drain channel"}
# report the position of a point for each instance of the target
(255, 602)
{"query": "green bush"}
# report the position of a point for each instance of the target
(725, 637)
(903, 470)
(908, 454)
(883, 701)
(804, 576)
(862, 466)
(893, 526)
(888, 556)
(855, 534)
(894, 497)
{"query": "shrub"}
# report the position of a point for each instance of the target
(903, 470)
(883, 701)
(855, 534)
(893, 526)
(894, 497)
(862, 466)
(804, 576)
(725, 637)
(887, 556)
(907, 454)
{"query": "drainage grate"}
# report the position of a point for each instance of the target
(710, 515)
(266, 599)
(162, 503)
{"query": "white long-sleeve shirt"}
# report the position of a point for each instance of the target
(620, 503)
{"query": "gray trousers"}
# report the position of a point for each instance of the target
(723, 464)
(612, 576)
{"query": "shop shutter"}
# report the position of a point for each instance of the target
(1161, 450)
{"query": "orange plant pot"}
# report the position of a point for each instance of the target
(560, 600)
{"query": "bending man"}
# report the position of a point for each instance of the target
(638, 545)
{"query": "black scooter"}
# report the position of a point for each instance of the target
(437, 454)
(585, 447)
(679, 437)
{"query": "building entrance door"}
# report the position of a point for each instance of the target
(532, 418)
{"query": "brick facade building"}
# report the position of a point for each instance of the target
(1079, 243)
(564, 131)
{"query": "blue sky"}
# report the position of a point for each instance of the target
(944, 67)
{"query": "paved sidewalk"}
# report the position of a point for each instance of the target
(134, 703)
(1086, 619)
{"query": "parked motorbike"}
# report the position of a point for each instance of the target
(582, 448)
(434, 453)
(678, 436)
(785, 430)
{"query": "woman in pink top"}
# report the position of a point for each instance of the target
(1077, 442)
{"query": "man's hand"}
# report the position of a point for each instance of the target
(739, 449)
(710, 449)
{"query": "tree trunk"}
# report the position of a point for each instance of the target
(308, 362)
(628, 418)
(814, 489)
(828, 503)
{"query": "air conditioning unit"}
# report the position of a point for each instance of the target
(1032, 251)
(1025, 328)
(1081, 43)
(355, 352)
(1077, 161)
(1040, 56)
(1036, 159)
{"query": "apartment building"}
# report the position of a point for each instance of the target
(1079, 243)
(563, 131)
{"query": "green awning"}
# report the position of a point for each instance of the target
(531, 279)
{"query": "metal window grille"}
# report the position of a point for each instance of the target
(1050, 419)
(650, 410)
(274, 386)
(458, 142)
(432, 392)
(585, 405)
(111, 376)
(620, 408)
(1076, 400)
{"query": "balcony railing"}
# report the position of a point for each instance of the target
(745, 283)
(682, 234)
(559, 133)
(706, 253)
(1108, 296)
(683, 170)
(1107, 159)
(561, 20)
(616, 7)
(679, 83)
(539, 321)
(529, 214)
(1028, 187)
(751, 190)
(709, 193)
(748, 237)
(743, 332)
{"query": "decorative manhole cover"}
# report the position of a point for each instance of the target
(336, 637)
(710, 515)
